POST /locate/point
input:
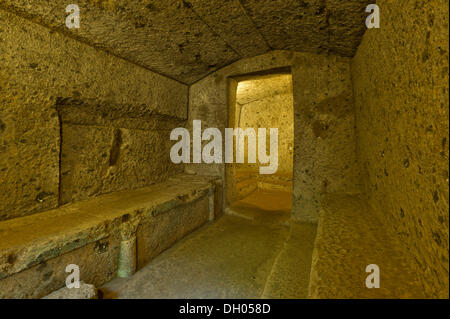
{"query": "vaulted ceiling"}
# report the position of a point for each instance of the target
(188, 39)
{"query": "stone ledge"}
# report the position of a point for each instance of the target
(85, 291)
(31, 240)
(349, 238)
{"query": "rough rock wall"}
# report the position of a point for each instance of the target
(400, 77)
(47, 79)
(324, 143)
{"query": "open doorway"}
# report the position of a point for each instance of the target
(262, 101)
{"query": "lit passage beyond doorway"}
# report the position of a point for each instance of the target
(262, 102)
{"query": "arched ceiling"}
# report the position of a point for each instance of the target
(188, 39)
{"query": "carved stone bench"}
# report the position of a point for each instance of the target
(107, 236)
(349, 238)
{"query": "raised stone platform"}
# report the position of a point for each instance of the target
(349, 238)
(104, 236)
(85, 291)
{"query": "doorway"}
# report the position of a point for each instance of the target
(261, 101)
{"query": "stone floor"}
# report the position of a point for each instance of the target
(256, 254)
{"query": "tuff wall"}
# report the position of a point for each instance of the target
(74, 120)
(400, 79)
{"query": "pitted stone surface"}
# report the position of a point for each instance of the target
(85, 291)
(186, 40)
(34, 239)
(400, 77)
(310, 25)
(47, 78)
(349, 238)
